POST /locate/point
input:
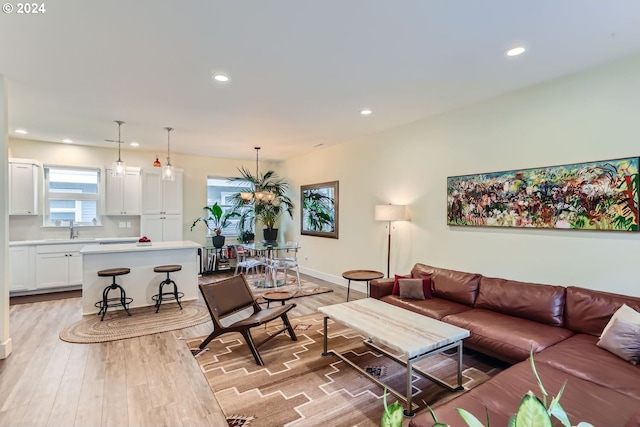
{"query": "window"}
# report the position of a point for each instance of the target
(221, 190)
(71, 194)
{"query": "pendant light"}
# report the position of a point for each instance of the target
(119, 167)
(168, 171)
(260, 196)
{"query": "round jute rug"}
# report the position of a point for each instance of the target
(143, 321)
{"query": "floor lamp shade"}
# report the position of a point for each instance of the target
(390, 213)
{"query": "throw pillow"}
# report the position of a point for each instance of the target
(625, 313)
(396, 285)
(426, 285)
(411, 288)
(622, 338)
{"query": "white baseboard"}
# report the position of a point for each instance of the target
(5, 349)
(336, 280)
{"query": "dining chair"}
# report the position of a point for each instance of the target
(287, 262)
(244, 262)
(230, 296)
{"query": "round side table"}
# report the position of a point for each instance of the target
(361, 276)
(274, 296)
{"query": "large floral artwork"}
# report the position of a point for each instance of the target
(599, 195)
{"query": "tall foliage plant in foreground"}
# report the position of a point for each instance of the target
(532, 412)
(393, 414)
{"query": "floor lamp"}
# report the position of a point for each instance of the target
(390, 213)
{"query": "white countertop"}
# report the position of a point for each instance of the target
(133, 247)
(78, 240)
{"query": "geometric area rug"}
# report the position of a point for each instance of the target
(298, 387)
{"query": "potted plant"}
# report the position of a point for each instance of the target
(246, 226)
(216, 221)
(532, 410)
(267, 212)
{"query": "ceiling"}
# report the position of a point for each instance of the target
(300, 70)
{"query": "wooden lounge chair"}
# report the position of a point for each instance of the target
(230, 296)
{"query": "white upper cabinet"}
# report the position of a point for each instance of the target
(123, 193)
(23, 187)
(161, 197)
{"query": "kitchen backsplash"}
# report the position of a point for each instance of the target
(30, 228)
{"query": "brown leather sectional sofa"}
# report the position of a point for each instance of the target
(505, 318)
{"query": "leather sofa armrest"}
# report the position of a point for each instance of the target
(379, 288)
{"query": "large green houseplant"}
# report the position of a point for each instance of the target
(216, 220)
(267, 212)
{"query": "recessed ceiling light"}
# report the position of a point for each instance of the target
(21, 131)
(222, 78)
(366, 111)
(515, 51)
(67, 141)
(134, 144)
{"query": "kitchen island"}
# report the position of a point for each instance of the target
(141, 283)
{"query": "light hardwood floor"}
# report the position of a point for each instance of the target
(147, 381)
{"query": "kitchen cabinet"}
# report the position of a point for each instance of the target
(42, 266)
(161, 228)
(21, 268)
(23, 186)
(161, 197)
(58, 265)
(123, 193)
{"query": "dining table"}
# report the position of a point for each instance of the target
(268, 252)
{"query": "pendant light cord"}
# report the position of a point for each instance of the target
(257, 176)
(168, 145)
(120, 123)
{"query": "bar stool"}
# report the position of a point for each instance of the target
(175, 295)
(107, 302)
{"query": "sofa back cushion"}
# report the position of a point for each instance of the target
(588, 311)
(453, 285)
(531, 301)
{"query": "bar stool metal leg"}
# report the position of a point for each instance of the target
(175, 292)
(163, 295)
(107, 302)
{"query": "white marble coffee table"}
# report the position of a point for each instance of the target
(413, 335)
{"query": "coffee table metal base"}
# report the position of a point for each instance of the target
(408, 396)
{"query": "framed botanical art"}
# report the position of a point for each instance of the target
(601, 195)
(319, 213)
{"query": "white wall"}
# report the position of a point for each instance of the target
(585, 117)
(5, 338)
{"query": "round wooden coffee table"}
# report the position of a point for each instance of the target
(361, 276)
(274, 296)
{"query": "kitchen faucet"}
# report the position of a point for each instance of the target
(72, 232)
